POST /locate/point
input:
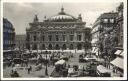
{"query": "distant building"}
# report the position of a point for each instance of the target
(20, 41)
(102, 26)
(8, 35)
(62, 31)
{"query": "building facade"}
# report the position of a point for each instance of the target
(102, 27)
(20, 41)
(118, 62)
(119, 21)
(62, 31)
(8, 35)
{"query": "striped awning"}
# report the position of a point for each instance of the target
(118, 62)
(103, 69)
(118, 52)
(122, 54)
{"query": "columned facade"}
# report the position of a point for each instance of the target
(62, 31)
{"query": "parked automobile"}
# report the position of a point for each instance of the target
(89, 58)
(15, 74)
(103, 74)
(64, 58)
(38, 67)
(81, 58)
(17, 60)
(71, 71)
(75, 67)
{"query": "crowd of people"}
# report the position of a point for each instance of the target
(43, 58)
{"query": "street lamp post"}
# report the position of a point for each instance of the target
(61, 49)
(46, 70)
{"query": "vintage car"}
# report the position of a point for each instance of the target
(38, 67)
(81, 58)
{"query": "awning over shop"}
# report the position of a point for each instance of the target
(60, 62)
(122, 54)
(118, 62)
(103, 69)
(118, 52)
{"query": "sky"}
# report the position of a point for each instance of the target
(21, 14)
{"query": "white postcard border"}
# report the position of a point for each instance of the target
(70, 78)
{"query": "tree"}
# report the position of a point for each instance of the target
(109, 42)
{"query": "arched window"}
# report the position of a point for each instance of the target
(43, 38)
(35, 38)
(63, 37)
(43, 46)
(64, 47)
(28, 46)
(57, 47)
(79, 37)
(50, 46)
(57, 37)
(71, 47)
(71, 37)
(50, 37)
(35, 47)
(79, 46)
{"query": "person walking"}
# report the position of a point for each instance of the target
(16, 74)
(11, 74)
(29, 69)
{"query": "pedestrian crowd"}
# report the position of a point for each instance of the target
(42, 59)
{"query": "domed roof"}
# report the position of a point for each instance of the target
(62, 17)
